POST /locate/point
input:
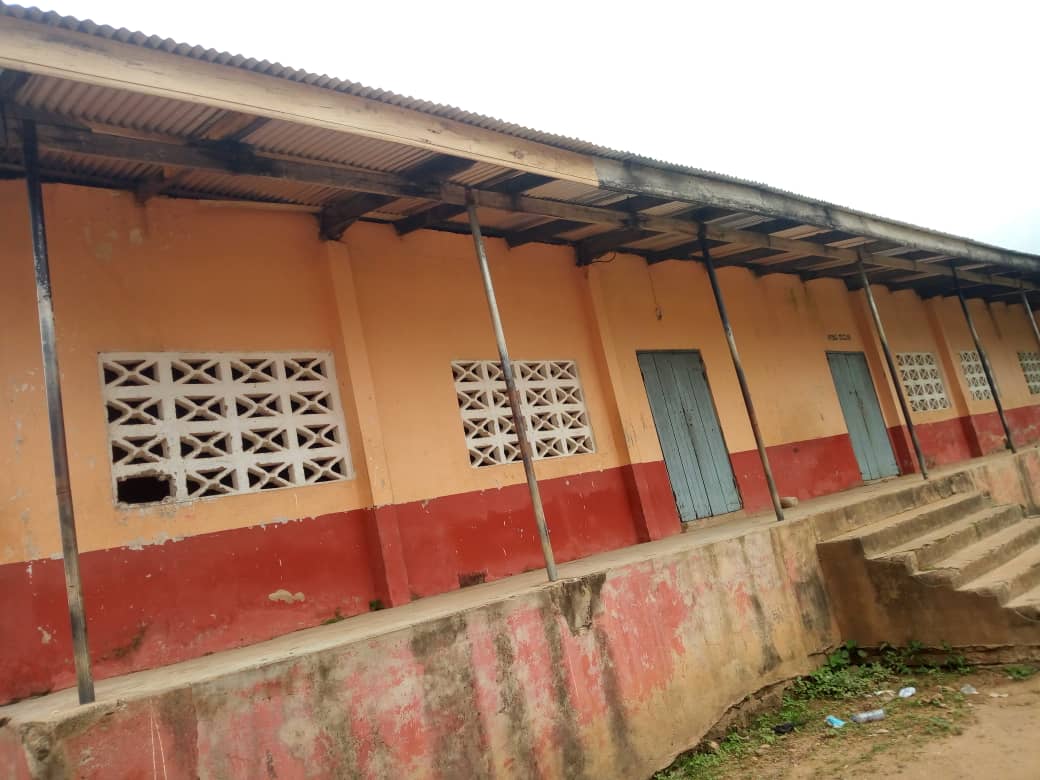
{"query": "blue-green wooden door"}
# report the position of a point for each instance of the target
(688, 429)
(859, 405)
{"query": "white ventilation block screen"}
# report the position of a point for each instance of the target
(922, 381)
(1030, 362)
(183, 426)
(551, 400)
(974, 376)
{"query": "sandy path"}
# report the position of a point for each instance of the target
(1003, 743)
(999, 741)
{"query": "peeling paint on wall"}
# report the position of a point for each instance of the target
(285, 596)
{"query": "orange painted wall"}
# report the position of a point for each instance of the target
(1005, 331)
(910, 329)
(171, 275)
(181, 275)
(422, 306)
(781, 327)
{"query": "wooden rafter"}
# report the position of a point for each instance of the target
(543, 232)
(439, 214)
(10, 82)
(242, 160)
(589, 249)
(337, 216)
(549, 230)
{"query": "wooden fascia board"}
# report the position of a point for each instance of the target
(51, 51)
(739, 196)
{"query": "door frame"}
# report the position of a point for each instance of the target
(718, 419)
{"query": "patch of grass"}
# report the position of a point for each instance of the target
(1020, 672)
(739, 743)
(846, 675)
(955, 662)
(833, 683)
(938, 727)
(915, 657)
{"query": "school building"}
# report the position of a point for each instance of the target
(281, 391)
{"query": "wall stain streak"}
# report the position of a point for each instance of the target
(178, 713)
(332, 717)
(810, 594)
(514, 701)
(625, 754)
(578, 601)
(770, 658)
(450, 699)
(565, 726)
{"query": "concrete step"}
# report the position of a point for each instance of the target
(1012, 579)
(885, 501)
(923, 552)
(883, 535)
(1026, 604)
(985, 555)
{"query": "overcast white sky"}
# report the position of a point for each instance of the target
(920, 111)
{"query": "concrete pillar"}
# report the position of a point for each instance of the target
(384, 534)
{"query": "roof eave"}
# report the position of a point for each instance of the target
(48, 45)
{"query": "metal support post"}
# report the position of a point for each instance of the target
(983, 359)
(519, 423)
(890, 362)
(1029, 313)
(741, 378)
(56, 417)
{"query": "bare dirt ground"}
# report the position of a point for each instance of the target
(943, 730)
(937, 734)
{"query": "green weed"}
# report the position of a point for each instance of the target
(849, 672)
(939, 727)
(1020, 672)
(829, 682)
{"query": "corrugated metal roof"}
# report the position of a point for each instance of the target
(278, 70)
(170, 117)
(110, 106)
(317, 143)
(94, 166)
(249, 188)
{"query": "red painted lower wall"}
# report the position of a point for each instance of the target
(971, 436)
(1023, 421)
(167, 602)
(803, 469)
(658, 515)
(475, 537)
(943, 442)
